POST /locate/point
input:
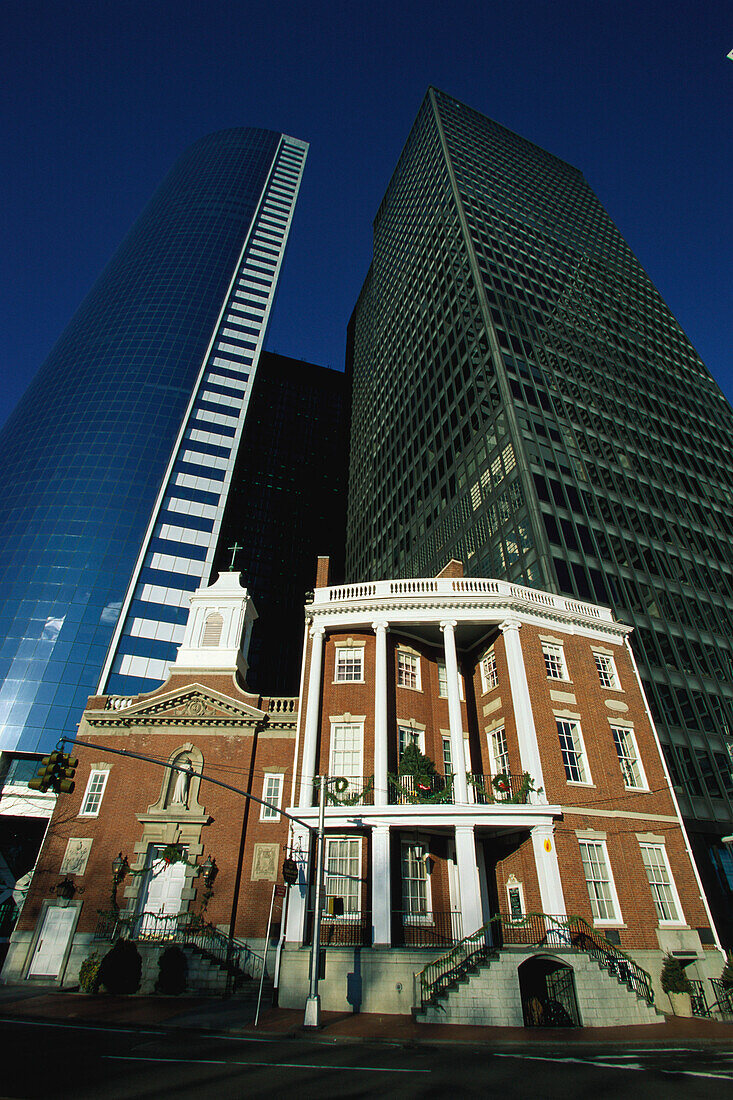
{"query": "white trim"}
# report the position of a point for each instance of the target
(679, 921)
(616, 919)
(92, 775)
(266, 812)
(628, 730)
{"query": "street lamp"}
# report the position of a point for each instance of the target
(313, 1003)
(65, 891)
(120, 867)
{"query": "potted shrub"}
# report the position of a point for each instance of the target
(89, 973)
(676, 985)
(726, 977)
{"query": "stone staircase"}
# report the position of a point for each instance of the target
(488, 993)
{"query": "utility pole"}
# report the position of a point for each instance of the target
(313, 1004)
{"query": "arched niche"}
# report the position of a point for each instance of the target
(179, 793)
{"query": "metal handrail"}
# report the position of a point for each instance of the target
(568, 933)
(723, 998)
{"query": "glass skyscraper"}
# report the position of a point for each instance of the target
(523, 400)
(116, 464)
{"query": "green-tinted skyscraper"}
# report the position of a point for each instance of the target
(524, 400)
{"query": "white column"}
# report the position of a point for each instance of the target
(381, 887)
(380, 716)
(312, 714)
(468, 880)
(298, 892)
(548, 870)
(529, 753)
(458, 753)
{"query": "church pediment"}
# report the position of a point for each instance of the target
(193, 704)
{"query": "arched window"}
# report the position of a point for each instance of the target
(212, 629)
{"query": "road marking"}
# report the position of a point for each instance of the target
(269, 1065)
(604, 1063)
(697, 1073)
(83, 1027)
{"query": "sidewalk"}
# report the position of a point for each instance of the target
(235, 1017)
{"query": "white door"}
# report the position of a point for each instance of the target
(52, 942)
(161, 901)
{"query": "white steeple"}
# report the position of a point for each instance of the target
(219, 627)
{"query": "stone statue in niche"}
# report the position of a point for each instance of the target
(182, 782)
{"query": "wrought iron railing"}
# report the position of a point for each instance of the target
(349, 930)
(567, 933)
(434, 928)
(183, 929)
(698, 998)
(408, 790)
(486, 789)
(483, 790)
(347, 791)
(723, 999)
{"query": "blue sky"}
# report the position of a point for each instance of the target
(99, 98)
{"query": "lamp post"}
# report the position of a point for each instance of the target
(120, 867)
(313, 1003)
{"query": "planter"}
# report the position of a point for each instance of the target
(681, 1003)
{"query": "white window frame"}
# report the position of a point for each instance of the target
(607, 671)
(489, 672)
(340, 673)
(556, 667)
(358, 725)
(447, 761)
(89, 794)
(661, 850)
(405, 656)
(578, 748)
(627, 764)
(417, 736)
(509, 886)
(408, 917)
(339, 886)
(443, 682)
(499, 754)
(611, 901)
(276, 797)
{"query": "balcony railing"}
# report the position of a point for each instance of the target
(349, 930)
(347, 791)
(483, 790)
(434, 928)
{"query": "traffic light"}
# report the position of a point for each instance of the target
(55, 772)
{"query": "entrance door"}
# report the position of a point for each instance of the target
(52, 942)
(160, 902)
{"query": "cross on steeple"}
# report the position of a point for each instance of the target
(234, 550)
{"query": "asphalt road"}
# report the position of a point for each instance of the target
(70, 1060)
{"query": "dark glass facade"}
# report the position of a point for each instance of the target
(286, 506)
(83, 455)
(523, 400)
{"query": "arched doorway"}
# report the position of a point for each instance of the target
(547, 987)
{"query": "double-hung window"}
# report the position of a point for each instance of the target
(606, 667)
(347, 744)
(628, 757)
(343, 874)
(272, 793)
(408, 670)
(573, 751)
(443, 682)
(662, 885)
(349, 664)
(415, 885)
(499, 751)
(408, 735)
(599, 880)
(93, 794)
(489, 674)
(555, 666)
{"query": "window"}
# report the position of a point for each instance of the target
(573, 751)
(607, 671)
(443, 682)
(408, 670)
(21, 771)
(349, 663)
(666, 901)
(93, 794)
(499, 751)
(601, 890)
(343, 873)
(555, 666)
(415, 887)
(408, 735)
(447, 766)
(347, 740)
(272, 791)
(489, 675)
(628, 757)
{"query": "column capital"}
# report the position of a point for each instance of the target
(510, 624)
(448, 624)
(317, 630)
(380, 624)
(465, 829)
